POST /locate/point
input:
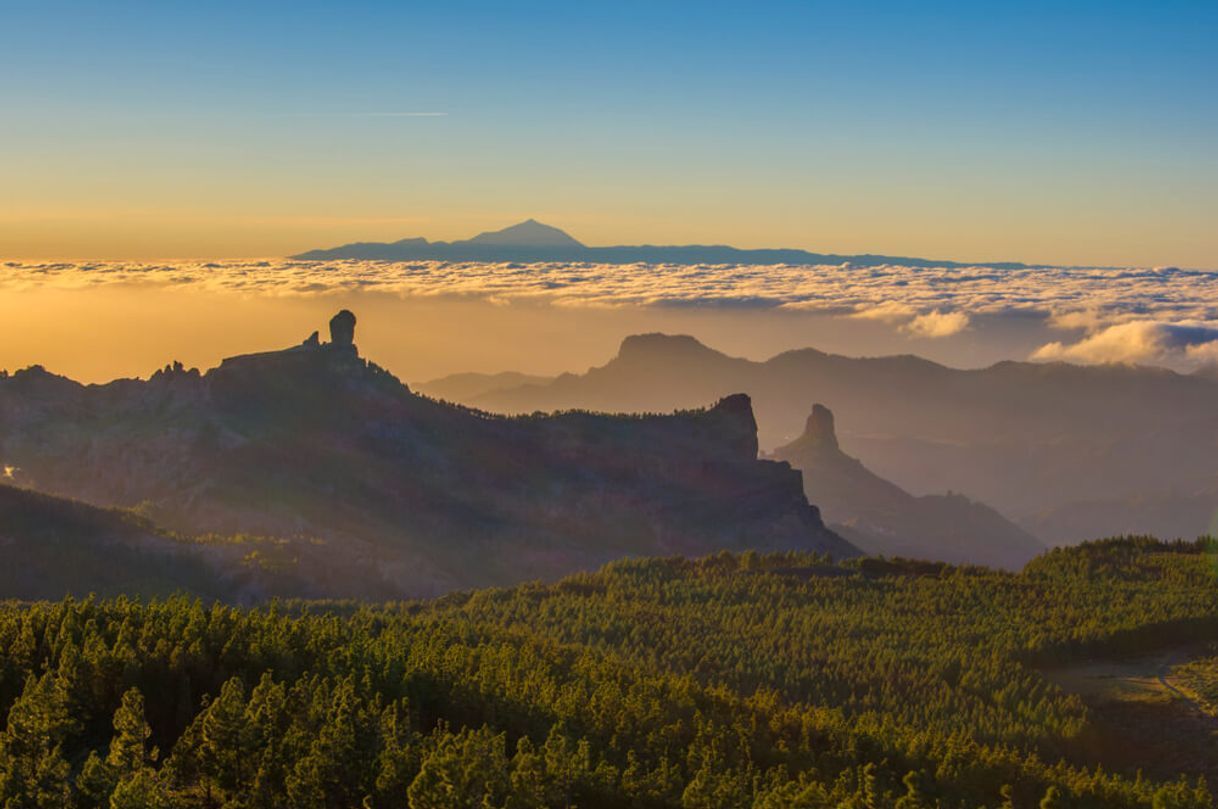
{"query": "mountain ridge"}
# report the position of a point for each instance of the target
(315, 442)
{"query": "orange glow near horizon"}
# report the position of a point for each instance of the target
(897, 226)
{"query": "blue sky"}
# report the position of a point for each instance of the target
(1069, 132)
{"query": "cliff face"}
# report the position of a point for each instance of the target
(314, 441)
(880, 517)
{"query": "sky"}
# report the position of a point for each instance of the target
(1057, 132)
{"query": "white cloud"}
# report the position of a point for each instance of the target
(887, 312)
(1140, 341)
(937, 324)
(1202, 354)
(934, 323)
(1088, 319)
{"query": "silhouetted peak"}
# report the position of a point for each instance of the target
(819, 430)
(33, 371)
(666, 347)
(342, 329)
(736, 424)
(529, 233)
(738, 404)
(37, 378)
(175, 370)
(38, 373)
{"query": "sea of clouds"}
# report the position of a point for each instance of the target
(1161, 314)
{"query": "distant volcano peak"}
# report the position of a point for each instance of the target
(529, 233)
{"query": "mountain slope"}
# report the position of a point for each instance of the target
(315, 442)
(1023, 437)
(882, 518)
(533, 241)
(54, 547)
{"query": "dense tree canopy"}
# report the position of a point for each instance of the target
(736, 680)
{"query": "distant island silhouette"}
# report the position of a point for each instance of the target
(531, 240)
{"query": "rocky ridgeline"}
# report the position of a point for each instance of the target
(314, 441)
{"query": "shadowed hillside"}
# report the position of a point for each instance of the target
(54, 548)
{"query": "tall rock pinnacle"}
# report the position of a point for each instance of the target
(342, 329)
(819, 430)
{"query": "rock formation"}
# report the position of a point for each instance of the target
(315, 442)
(880, 517)
(342, 329)
(819, 429)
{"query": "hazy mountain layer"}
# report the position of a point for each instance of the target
(469, 386)
(882, 518)
(1024, 437)
(1179, 513)
(315, 443)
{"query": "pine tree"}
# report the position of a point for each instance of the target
(225, 752)
(464, 771)
(129, 744)
(528, 777)
(33, 770)
(1052, 799)
(913, 797)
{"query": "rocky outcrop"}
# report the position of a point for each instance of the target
(819, 430)
(314, 441)
(882, 518)
(342, 330)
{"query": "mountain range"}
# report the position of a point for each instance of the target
(1061, 449)
(531, 241)
(315, 461)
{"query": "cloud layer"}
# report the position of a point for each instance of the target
(1140, 341)
(1111, 315)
